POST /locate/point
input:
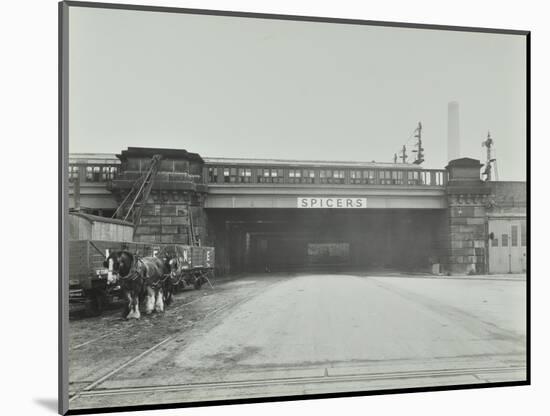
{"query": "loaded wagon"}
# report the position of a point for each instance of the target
(191, 265)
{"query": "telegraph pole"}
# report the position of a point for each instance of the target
(419, 150)
(395, 158)
(403, 156)
(488, 144)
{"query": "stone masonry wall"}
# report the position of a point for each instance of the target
(467, 236)
(168, 221)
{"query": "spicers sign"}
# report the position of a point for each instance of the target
(332, 202)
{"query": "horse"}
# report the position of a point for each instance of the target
(139, 277)
(172, 277)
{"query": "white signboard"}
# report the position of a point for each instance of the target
(332, 202)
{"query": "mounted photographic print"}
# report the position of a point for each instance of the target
(264, 207)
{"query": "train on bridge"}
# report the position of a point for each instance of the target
(270, 214)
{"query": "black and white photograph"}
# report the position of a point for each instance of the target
(273, 207)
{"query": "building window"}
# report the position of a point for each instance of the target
(514, 235)
(494, 242)
(504, 240)
(245, 175)
(523, 233)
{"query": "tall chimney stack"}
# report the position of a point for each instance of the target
(453, 132)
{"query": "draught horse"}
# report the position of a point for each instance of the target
(138, 277)
(172, 277)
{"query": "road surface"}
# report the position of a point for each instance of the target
(274, 335)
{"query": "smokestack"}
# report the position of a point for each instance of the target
(453, 132)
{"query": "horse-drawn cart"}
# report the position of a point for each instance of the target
(93, 284)
(190, 266)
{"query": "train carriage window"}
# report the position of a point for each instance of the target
(294, 175)
(245, 175)
(523, 233)
(385, 177)
(93, 173)
(270, 175)
(73, 173)
(213, 175)
(424, 178)
(494, 242)
(338, 176)
(332, 176)
(369, 176)
(226, 177)
(397, 177)
(308, 176)
(279, 176)
(263, 175)
(514, 235)
(439, 178)
(355, 177)
(233, 175)
(413, 178)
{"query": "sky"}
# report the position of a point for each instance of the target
(259, 88)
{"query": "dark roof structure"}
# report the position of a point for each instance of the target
(149, 152)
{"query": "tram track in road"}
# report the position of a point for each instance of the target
(478, 375)
(90, 386)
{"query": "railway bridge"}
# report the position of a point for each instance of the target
(264, 215)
